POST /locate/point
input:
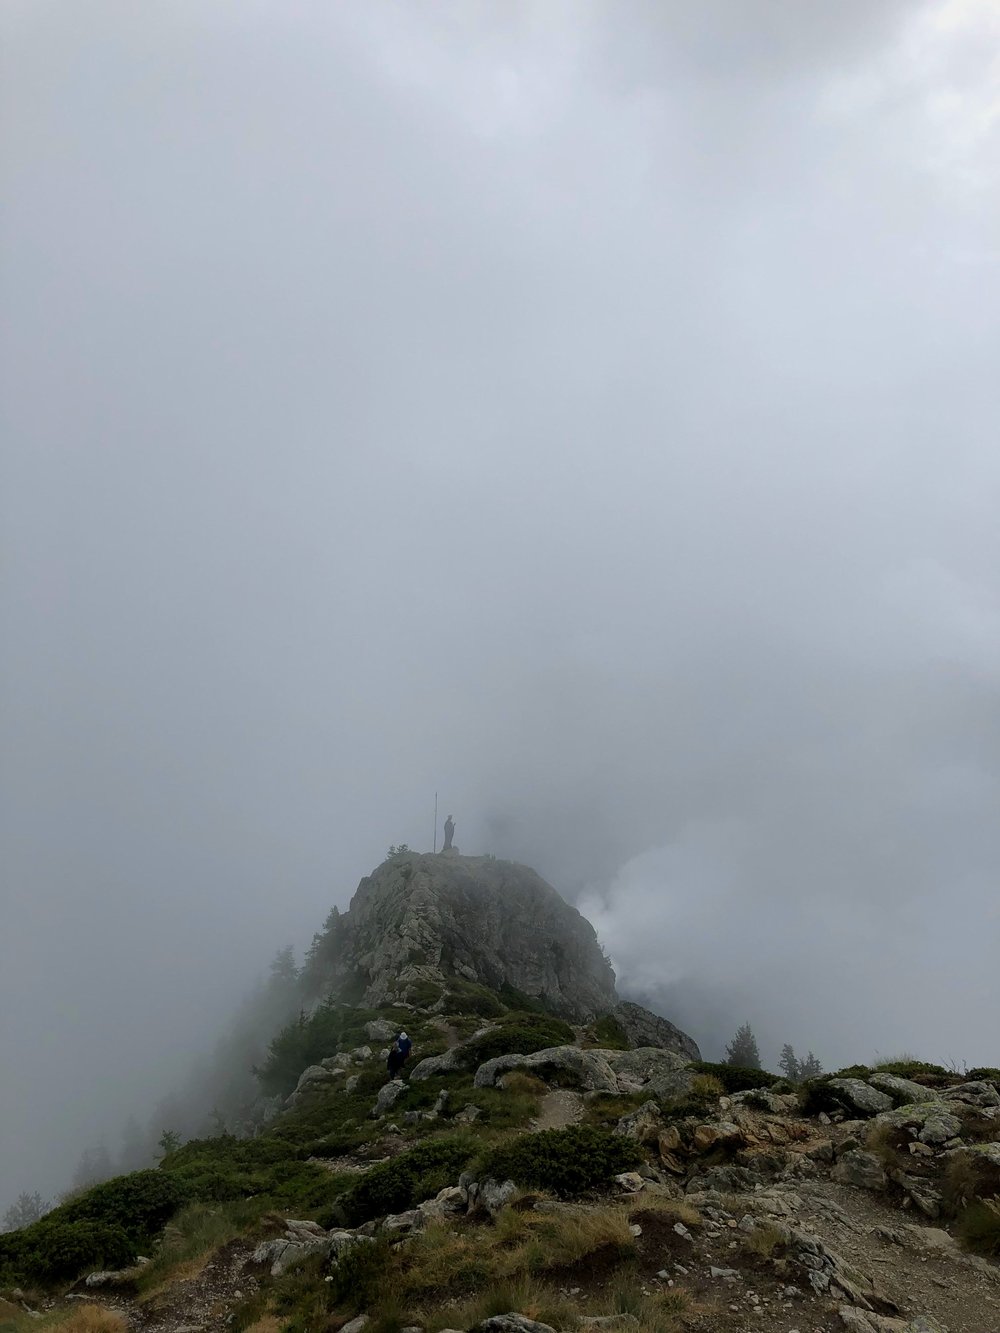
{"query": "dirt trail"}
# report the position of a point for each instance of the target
(558, 1109)
(202, 1303)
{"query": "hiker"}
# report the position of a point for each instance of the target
(449, 833)
(399, 1053)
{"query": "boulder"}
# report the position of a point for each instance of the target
(929, 1122)
(452, 1199)
(402, 1224)
(512, 1323)
(493, 1195)
(903, 1091)
(856, 1095)
(643, 1125)
(975, 1094)
(380, 1030)
(389, 1094)
(361, 1053)
(664, 1073)
(590, 1069)
(863, 1170)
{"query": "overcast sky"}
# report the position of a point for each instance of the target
(585, 410)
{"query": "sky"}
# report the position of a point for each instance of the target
(585, 411)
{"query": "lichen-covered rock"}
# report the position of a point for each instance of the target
(863, 1170)
(380, 1030)
(903, 1091)
(857, 1096)
(927, 1122)
(590, 1069)
(388, 1095)
(975, 1094)
(644, 1124)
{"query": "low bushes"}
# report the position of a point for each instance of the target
(566, 1161)
(226, 1168)
(609, 1034)
(105, 1227)
(406, 1180)
(518, 1034)
(734, 1078)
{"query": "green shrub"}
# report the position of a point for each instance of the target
(465, 997)
(226, 1168)
(609, 1034)
(406, 1180)
(984, 1074)
(518, 1034)
(734, 1078)
(62, 1250)
(106, 1226)
(566, 1161)
(917, 1070)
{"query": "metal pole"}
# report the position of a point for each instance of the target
(435, 821)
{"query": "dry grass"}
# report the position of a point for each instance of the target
(269, 1323)
(677, 1209)
(521, 1245)
(189, 1242)
(79, 1319)
(707, 1085)
(764, 1240)
(979, 1226)
(886, 1143)
(520, 1082)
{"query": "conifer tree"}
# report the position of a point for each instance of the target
(789, 1065)
(742, 1050)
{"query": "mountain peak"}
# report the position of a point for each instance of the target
(422, 919)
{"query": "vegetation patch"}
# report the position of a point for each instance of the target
(518, 1034)
(406, 1180)
(609, 1035)
(105, 1227)
(566, 1161)
(330, 1029)
(978, 1227)
(735, 1078)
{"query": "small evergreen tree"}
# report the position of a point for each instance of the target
(26, 1208)
(789, 1065)
(742, 1050)
(810, 1068)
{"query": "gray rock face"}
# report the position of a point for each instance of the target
(513, 1323)
(388, 1095)
(975, 1094)
(643, 1028)
(863, 1170)
(590, 1068)
(903, 1091)
(424, 917)
(858, 1096)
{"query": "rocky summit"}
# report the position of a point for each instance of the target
(420, 920)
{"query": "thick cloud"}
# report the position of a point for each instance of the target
(586, 411)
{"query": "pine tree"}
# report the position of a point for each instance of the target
(742, 1050)
(810, 1068)
(26, 1208)
(789, 1065)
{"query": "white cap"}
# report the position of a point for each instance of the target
(403, 1037)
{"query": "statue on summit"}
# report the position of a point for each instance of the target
(449, 833)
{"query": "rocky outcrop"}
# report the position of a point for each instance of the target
(644, 1028)
(421, 919)
(661, 1073)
